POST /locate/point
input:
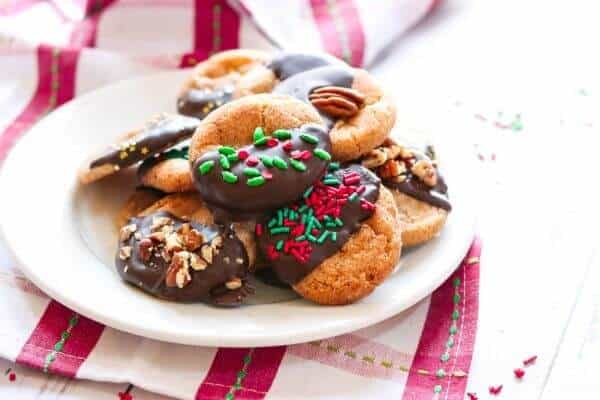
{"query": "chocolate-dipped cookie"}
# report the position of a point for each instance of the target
(355, 108)
(258, 153)
(168, 171)
(185, 258)
(159, 134)
(338, 242)
(418, 187)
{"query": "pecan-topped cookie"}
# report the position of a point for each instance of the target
(420, 190)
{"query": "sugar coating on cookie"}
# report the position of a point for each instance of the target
(299, 239)
(159, 134)
(419, 189)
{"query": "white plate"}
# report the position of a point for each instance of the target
(63, 236)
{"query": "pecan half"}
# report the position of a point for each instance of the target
(337, 101)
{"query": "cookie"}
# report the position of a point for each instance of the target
(159, 134)
(339, 242)
(420, 192)
(258, 153)
(174, 251)
(356, 110)
(139, 200)
(168, 172)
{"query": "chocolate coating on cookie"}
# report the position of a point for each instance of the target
(159, 134)
(181, 153)
(297, 239)
(274, 171)
(183, 261)
(285, 65)
(303, 84)
(200, 102)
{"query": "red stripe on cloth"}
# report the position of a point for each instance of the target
(85, 31)
(55, 320)
(217, 27)
(326, 26)
(354, 30)
(435, 335)
(263, 369)
(222, 373)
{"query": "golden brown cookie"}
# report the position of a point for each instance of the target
(258, 153)
(419, 190)
(339, 242)
(158, 134)
(168, 172)
(139, 200)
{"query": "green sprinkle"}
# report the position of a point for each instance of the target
(262, 141)
(323, 237)
(334, 166)
(311, 238)
(280, 229)
(279, 163)
(300, 238)
(322, 154)
(279, 245)
(450, 342)
(224, 162)
(317, 223)
(437, 388)
(456, 282)
(226, 150)
(453, 330)
(251, 172)
(298, 165)
(232, 157)
(455, 315)
(279, 218)
(444, 357)
(353, 197)
(282, 134)
(303, 219)
(456, 298)
(307, 193)
(206, 167)
(267, 161)
(339, 222)
(256, 181)
(229, 177)
(286, 212)
(272, 223)
(333, 236)
(440, 373)
(308, 138)
(331, 182)
(259, 133)
(293, 215)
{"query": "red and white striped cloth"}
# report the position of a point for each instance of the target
(51, 51)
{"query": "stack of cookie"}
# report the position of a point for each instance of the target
(275, 162)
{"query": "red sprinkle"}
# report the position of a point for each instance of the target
(267, 175)
(287, 145)
(243, 154)
(360, 189)
(296, 154)
(519, 373)
(529, 361)
(125, 396)
(12, 377)
(367, 205)
(258, 230)
(495, 390)
(472, 396)
(351, 180)
(305, 155)
(252, 161)
(272, 142)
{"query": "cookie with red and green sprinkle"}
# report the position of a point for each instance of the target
(257, 154)
(339, 242)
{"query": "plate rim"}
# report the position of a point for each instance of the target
(384, 311)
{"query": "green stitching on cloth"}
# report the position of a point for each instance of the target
(58, 346)
(216, 44)
(241, 374)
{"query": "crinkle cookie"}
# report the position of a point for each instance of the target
(173, 250)
(339, 242)
(355, 108)
(168, 172)
(419, 189)
(159, 134)
(258, 153)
